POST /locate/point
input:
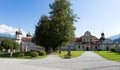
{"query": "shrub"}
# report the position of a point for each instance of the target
(41, 53)
(21, 54)
(34, 54)
(113, 50)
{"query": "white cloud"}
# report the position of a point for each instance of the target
(9, 30)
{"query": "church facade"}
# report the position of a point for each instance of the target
(26, 43)
(88, 42)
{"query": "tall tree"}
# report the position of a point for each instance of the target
(42, 36)
(58, 29)
(62, 19)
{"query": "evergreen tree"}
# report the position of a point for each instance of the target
(42, 36)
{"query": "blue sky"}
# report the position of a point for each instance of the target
(96, 16)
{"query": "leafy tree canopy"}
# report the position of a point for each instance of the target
(57, 29)
(7, 44)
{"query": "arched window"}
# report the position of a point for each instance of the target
(83, 47)
(78, 47)
(107, 48)
(96, 47)
(87, 40)
(90, 40)
(83, 40)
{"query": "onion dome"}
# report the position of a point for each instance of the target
(102, 34)
(102, 37)
(19, 32)
(28, 35)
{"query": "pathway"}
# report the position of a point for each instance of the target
(87, 61)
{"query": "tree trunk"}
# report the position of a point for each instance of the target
(69, 51)
(47, 50)
(59, 49)
(54, 49)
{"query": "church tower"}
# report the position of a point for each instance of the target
(29, 35)
(18, 36)
(102, 37)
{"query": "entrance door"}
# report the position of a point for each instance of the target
(87, 48)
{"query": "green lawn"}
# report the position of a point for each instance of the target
(15, 55)
(109, 55)
(74, 53)
(27, 55)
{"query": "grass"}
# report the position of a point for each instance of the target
(74, 53)
(109, 55)
(16, 55)
(27, 55)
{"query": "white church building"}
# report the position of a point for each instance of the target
(26, 43)
(88, 42)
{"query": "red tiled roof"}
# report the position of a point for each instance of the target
(79, 39)
(27, 39)
(95, 39)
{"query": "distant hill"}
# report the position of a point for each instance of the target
(117, 40)
(115, 37)
(2, 38)
(6, 35)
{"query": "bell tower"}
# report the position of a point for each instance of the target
(18, 36)
(102, 37)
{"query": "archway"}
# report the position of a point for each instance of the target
(87, 49)
(107, 48)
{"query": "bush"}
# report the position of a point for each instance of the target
(21, 54)
(113, 50)
(41, 53)
(34, 54)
